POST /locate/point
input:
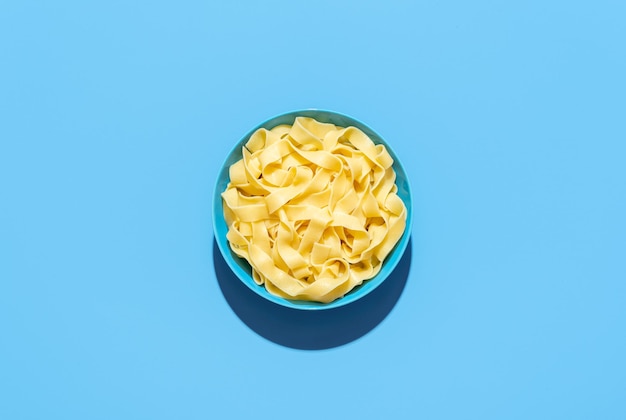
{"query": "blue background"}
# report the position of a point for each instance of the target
(510, 117)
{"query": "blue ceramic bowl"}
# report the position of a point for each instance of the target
(242, 269)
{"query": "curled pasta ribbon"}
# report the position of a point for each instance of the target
(313, 208)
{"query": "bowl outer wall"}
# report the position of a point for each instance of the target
(241, 267)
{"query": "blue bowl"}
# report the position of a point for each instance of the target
(242, 269)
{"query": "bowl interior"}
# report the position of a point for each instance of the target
(242, 269)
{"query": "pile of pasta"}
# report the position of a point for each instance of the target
(313, 208)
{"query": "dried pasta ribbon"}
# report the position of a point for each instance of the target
(313, 208)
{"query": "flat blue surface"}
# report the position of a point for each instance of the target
(509, 116)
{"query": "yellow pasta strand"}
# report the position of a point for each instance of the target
(313, 208)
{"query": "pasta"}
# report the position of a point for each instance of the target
(313, 208)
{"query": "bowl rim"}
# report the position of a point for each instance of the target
(368, 285)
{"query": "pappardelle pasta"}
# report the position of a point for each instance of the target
(313, 208)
